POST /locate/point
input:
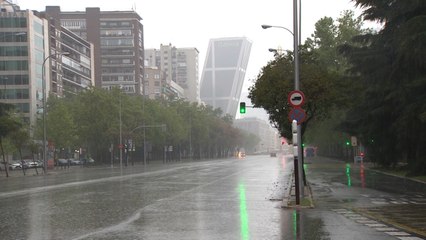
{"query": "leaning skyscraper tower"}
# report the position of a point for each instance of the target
(223, 73)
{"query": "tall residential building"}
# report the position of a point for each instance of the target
(118, 42)
(224, 71)
(154, 82)
(180, 66)
(76, 71)
(158, 87)
(31, 47)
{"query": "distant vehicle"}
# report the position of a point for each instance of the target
(34, 164)
(87, 161)
(15, 165)
(310, 152)
(241, 154)
(62, 162)
(273, 154)
(29, 163)
(76, 162)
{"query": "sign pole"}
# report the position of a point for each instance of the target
(297, 82)
(294, 128)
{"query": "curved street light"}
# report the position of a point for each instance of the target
(298, 159)
(45, 109)
(295, 50)
(265, 26)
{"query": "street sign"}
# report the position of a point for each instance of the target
(354, 141)
(296, 98)
(297, 114)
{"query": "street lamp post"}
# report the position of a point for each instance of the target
(44, 107)
(295, 34)
(163, 126)
(121, 135)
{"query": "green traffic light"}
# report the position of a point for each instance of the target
(347, 143)
(242, 107)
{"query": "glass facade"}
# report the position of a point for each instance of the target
(13, 22)
(223, 74)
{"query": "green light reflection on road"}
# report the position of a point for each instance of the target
(295, 224)
(243, 213)
(348, 174)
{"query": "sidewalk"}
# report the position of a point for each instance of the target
(395, 204)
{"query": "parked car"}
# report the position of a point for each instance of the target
(32, 164)
(15, 165)
(87, 161)
(62, 162)
(75, 162)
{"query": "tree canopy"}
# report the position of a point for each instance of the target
(320, 65)
(390, 67)
(91, 120)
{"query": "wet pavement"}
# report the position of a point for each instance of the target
(218, 199)
(221, 199)
(358, 196)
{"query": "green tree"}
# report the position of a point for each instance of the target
(8, 125)
(328, 36)
(276, 80)
(20, 139)
(61, 127)
(390, 65)
(96, 113)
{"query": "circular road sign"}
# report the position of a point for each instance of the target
(297, 114)
(296, 98)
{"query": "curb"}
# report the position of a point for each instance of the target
(289, 200)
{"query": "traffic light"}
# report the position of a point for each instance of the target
(242, 107)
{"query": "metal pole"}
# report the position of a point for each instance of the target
(44, 112)
(112, 155)
(144, 146)
(43, 78)
(44, 115)
(190, 138)
(297, 87)
(121, 137)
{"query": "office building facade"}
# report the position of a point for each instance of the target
(30, 55)
(118, 42)
(223, 73)
(180, 66)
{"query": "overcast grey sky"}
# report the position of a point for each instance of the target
(191, 23)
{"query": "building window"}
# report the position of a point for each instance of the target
(13, 65)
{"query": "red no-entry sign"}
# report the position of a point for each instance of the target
(296, 98)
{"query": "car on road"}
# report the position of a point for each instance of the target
(32, 164)
(15, 165)
(87, 161)
(62, 162)
(75, 162)
(310, 152)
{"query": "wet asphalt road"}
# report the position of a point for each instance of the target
(220, 199)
